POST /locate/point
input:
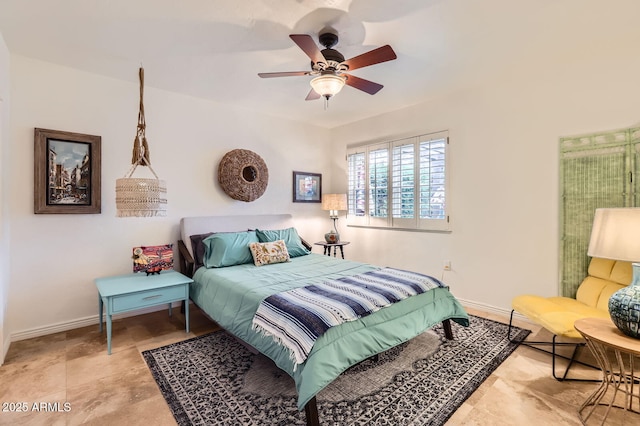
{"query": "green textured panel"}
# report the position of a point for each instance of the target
(595, 172)
(634, 135)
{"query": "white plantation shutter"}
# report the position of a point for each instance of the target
(379, 185)
(401, 184)
(433, 181)
(356, 193)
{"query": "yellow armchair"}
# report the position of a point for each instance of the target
(558, 314)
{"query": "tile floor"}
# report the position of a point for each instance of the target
(68, 379)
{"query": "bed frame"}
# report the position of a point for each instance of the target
(203, 224)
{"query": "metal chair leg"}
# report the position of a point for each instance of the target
(573, 359)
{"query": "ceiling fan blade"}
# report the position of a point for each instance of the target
(282, 74)
(312, 96)
(365, 85)
(375, 56)
(308, 46)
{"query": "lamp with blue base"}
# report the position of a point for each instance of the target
(616, 235)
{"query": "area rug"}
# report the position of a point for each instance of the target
(215, 380)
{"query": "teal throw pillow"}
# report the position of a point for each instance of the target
(228, 249)
(291, 239)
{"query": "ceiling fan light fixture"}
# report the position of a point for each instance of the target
(329, 66)
(327, 85)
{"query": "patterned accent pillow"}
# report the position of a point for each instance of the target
(268, 253)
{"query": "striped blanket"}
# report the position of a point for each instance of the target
(298, 317)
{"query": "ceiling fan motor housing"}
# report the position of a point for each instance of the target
(333, 57)
(328, 40)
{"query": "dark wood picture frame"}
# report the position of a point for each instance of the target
(66, 172)
(307, 187)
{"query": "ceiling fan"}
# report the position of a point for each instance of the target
(329, 67)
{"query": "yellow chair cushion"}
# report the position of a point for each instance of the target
(600, 268)
(622, 273)
(558, 314)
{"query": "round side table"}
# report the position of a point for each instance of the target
(617, 356)
(336, 246)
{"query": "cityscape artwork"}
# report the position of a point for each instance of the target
(69, 176)
(66, 172)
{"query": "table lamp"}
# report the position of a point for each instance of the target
(616, 235)
(334, 203)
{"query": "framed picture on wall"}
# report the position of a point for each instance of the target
(66, 172)
(307, 187)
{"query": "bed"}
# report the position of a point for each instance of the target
(231, 295)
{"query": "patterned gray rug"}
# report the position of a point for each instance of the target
(214, 380)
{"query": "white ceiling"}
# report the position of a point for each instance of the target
(215, 48)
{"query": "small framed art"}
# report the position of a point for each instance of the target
(307, 187)
(66, 172)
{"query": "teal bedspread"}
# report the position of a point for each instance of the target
(232, 295)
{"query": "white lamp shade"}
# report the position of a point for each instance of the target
(616, 234)
(327, 85)
(334, 202)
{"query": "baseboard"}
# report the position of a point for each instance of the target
(94, 320)
(5, 346)
(77, 323)
(506, 313)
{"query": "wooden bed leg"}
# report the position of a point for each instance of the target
(311, 411)
(446, 324)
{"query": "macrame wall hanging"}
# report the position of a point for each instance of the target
(141, 197)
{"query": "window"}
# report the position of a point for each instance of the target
(400, 184)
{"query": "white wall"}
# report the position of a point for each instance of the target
(55, 258)
(504, 174)
(5, 150)
(504, 168)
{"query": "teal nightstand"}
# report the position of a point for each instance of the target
(129, 292)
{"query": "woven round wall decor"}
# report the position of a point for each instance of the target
(243, 175)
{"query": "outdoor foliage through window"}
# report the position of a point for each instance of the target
(400, 184)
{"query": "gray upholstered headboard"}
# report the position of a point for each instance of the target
(202, 224)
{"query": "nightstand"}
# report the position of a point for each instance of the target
(327, 247)
(129, 292)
